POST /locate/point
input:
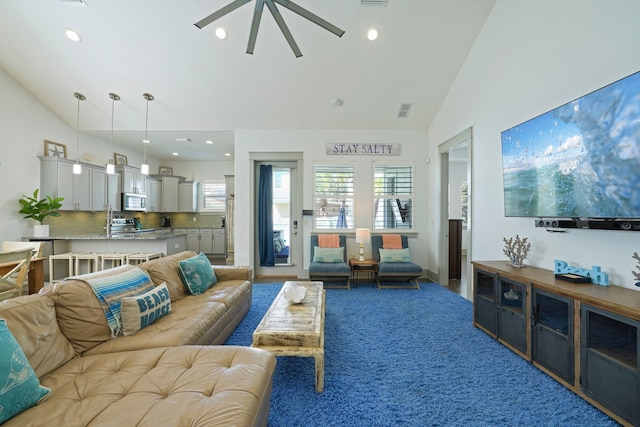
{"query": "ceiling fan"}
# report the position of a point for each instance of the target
(257, 14)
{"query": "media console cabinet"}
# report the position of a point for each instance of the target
(583, 335)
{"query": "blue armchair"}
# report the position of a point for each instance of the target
(396, 270)
(333, 274)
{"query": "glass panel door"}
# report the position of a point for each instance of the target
(285, 223)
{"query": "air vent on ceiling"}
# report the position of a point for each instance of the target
(404, 110)
(382, 3)
(73, 2)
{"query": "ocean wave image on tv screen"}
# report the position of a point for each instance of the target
(579, 160)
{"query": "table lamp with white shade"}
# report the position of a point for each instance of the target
(363, 235)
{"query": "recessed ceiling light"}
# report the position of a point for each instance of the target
(372, 34)
(209, 142)
(221, 33)
(72, 35)
(175, 154)
(227, 154)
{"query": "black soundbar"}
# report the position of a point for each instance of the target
(590, 223)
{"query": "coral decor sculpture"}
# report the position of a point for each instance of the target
(516, 250)
(636, 274)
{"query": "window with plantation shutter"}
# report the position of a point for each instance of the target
(393, 197)
(213, 196)
(334, 192)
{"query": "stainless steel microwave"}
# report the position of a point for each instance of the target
(134, 202)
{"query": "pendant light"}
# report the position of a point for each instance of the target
(77, 167)
(111, 167)
(144, 169)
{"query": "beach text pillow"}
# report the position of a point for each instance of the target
(142, 310)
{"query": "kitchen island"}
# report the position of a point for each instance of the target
(162, 241)
(154, 240)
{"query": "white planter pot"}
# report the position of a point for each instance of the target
(41, 230)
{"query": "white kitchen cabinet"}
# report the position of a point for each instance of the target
(113, 191)
(133, 181)
(218, 241)
(98, 189)
(207, 240)
(170, 194)
(193, 239)
(188, 196)
(58, 180)
(154, 195)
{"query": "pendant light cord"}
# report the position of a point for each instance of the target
(146, 127)
(148, 97)
(78, 133)
(113, 108)
(110, 164)
(79, 97)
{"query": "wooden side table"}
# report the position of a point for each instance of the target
(368, 266)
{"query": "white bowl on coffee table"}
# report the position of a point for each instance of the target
(295, 294)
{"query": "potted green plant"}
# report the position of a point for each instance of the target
(39, 209)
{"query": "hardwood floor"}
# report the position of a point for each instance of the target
(459, 286)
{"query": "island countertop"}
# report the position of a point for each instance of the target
(150, 234)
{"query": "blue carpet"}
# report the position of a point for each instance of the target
(400, 357)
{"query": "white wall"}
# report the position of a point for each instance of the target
(312, 143)
(529, 58)
(201, 170)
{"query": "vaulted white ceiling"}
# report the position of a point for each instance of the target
(206, 88)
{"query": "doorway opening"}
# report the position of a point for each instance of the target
(454, 264)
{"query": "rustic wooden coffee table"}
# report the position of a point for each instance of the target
(296, 329)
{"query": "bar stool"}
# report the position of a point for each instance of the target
(69, 257)
(140, 257)
(89, 257)
(116, 258)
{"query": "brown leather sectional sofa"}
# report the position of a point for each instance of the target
(165, 374)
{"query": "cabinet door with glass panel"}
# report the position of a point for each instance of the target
(552, 334)
(485, 311)
(512, 314)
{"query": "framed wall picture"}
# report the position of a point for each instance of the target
(165, 170)
(120, 159)
(54, 149)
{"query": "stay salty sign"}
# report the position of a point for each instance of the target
(363, 149)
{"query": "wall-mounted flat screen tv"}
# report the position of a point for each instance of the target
(580, 160)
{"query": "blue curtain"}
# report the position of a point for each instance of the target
(265, 216)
